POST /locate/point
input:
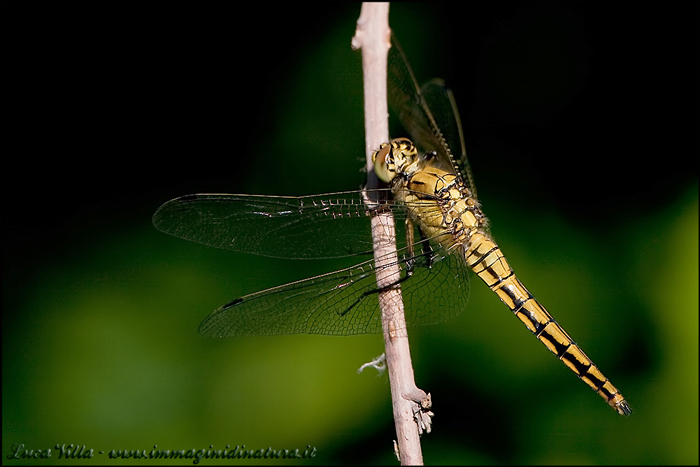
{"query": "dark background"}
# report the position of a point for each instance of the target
(581, 123)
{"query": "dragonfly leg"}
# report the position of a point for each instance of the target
(426, 249)
(367, 293)
(409, 244)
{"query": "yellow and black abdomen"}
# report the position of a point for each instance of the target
(485, 258)
(447, 213)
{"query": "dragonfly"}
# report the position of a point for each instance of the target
(441, 233)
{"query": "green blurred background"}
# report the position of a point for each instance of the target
(581, 122)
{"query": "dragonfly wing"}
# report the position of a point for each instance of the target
(338, 303)
(344, 302)
(438, 289)
(406, 101)
(429, 114)
(308, 227)
(441, 102)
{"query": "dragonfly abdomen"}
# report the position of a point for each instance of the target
(486, 259)
(447, 212)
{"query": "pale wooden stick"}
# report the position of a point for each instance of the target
(410, 403)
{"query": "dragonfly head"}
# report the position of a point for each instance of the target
(394, 157)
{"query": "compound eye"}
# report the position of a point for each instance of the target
(384, 163)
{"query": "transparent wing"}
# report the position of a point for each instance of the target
(345, 302)
(340, 303)
(442, 104)
(429, 114)
(308, 227)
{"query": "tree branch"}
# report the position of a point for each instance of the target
(410, 403)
